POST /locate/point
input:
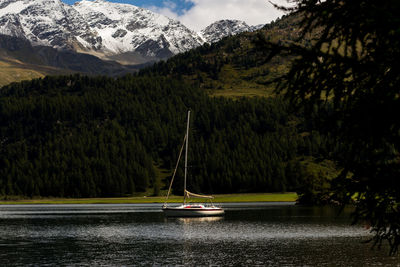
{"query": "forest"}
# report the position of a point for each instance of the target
(79, 136)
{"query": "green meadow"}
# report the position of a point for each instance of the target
(223, 198)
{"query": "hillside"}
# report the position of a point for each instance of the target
(235, 66)
(12, 70)
(19, 60)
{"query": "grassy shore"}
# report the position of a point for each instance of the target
(265, 197)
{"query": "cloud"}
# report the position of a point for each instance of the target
(205, 12)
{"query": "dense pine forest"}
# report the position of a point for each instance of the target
(78, 136)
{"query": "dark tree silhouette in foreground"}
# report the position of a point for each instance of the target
(352, 69)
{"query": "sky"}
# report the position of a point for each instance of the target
(197, 14)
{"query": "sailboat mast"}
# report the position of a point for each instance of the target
(186, 157)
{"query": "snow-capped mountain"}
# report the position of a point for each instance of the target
(97, 27)
(121, 32)
(222, 28)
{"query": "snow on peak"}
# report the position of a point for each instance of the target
(124, 27)
(112, 11)
(18, 6)
(222, 28)
(44, 22)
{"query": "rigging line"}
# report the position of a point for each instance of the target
(176, 167)
(186, 155)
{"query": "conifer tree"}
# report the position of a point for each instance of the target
(349, 76)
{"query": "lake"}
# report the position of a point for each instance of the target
(275, 234)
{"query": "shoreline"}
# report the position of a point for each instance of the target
(222, 198)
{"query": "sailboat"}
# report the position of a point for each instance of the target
(187, 209)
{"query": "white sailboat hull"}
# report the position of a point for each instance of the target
(183, 211)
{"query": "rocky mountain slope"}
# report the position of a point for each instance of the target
(127, 28)
(44, 22)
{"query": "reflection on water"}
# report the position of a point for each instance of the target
(191, 220)
(249, 234)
